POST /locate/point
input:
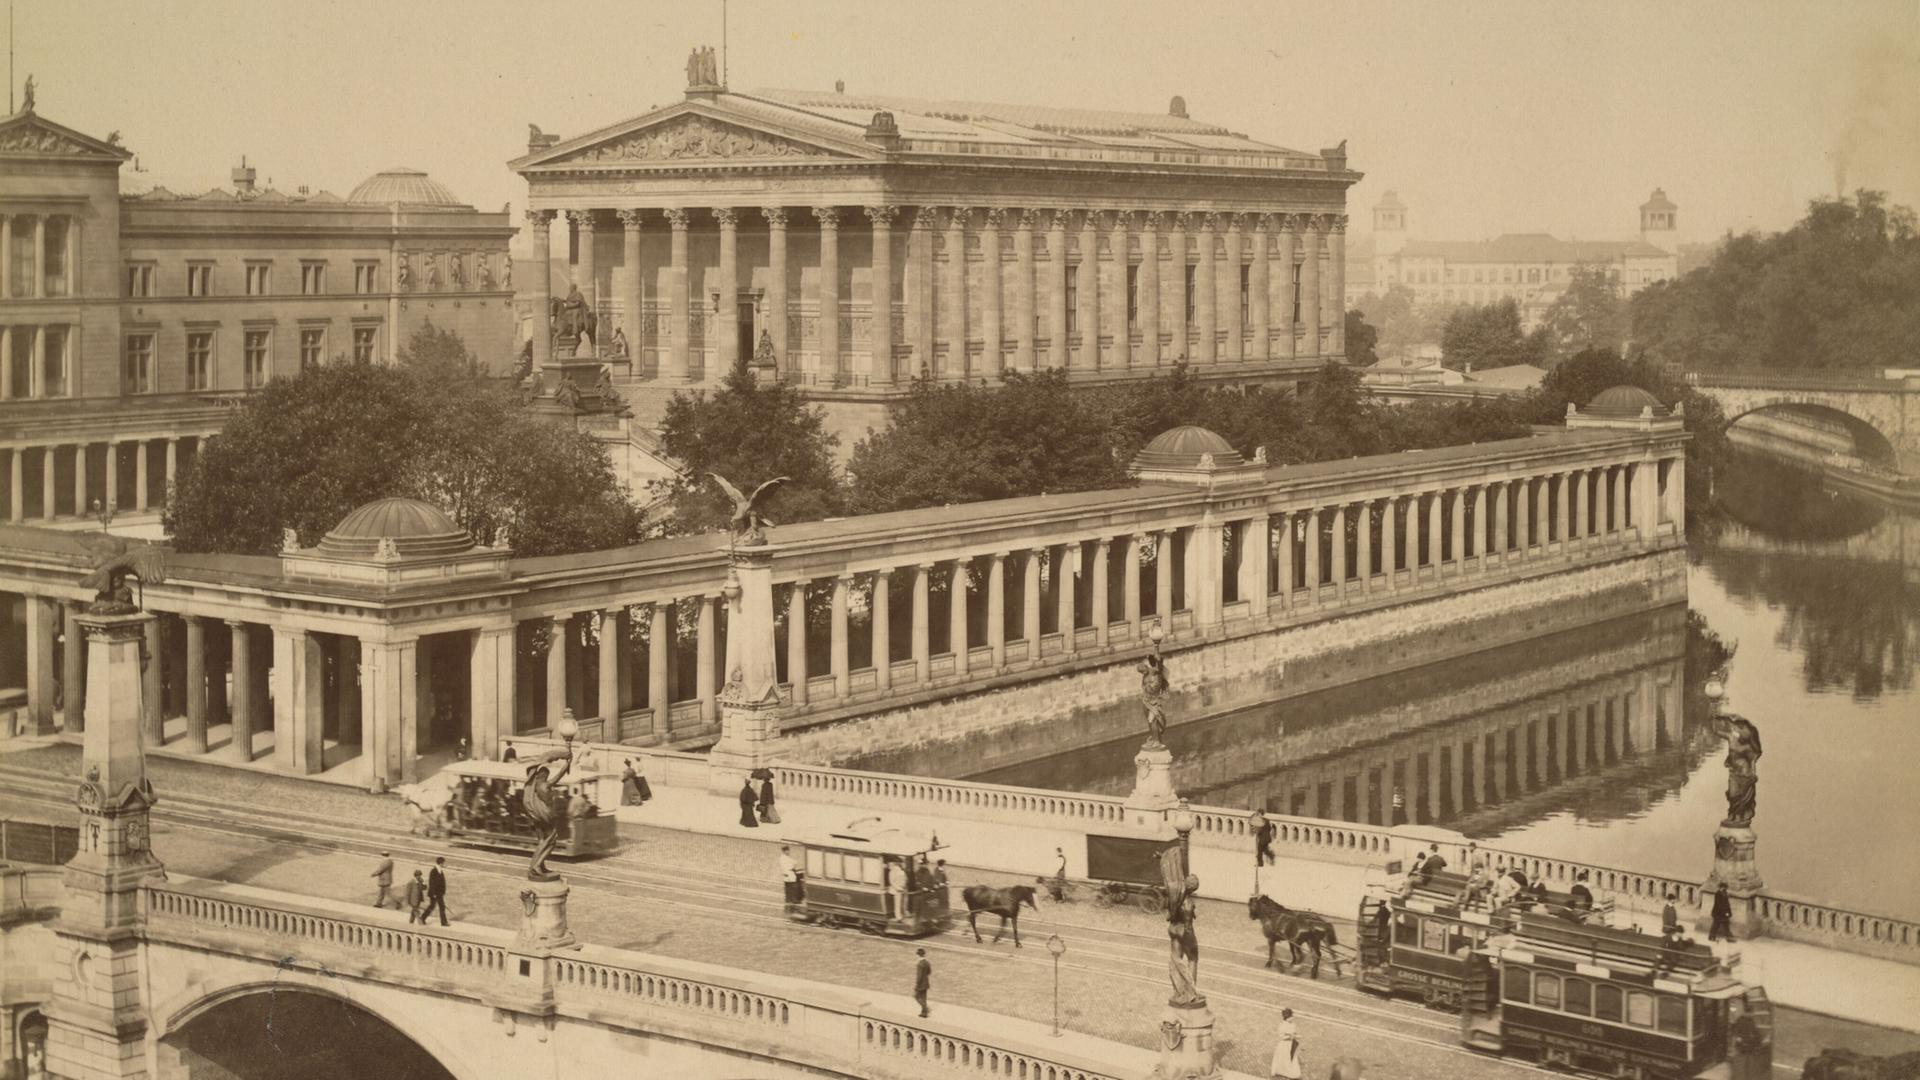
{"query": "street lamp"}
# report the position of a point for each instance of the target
(1716, 692)
(1056, 947)
(568, 729)
(1182, 819)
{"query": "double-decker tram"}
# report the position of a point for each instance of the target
(873, 877)
(486, 810)
(1616, 1003)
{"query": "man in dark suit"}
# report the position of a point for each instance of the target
(922, 979)
(436, 890)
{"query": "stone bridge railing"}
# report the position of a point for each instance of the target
(1753, 380)
(769, 1017)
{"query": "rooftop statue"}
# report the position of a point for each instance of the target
(749, 525)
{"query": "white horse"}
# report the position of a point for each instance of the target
(427, 803)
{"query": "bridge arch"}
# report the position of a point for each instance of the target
(291, 993)
(1869, 442)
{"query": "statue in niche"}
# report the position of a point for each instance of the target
(483, 269)
(456, 273)
(433, 271)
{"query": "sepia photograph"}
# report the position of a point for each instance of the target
(789, 539)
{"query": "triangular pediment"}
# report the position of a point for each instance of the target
(687, 136)
(30, 134)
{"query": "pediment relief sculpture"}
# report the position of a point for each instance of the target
(693, 138)
(33, 139)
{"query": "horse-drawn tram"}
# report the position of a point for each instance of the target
(486, 810)
(1416, 939)
(873, 877)
(1615, 1003)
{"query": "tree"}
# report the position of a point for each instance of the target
(438, 354)
(1361, 337)
(1489, 336)
(1589, 314)
(304, 452)
(1403, 323)
(748, 433)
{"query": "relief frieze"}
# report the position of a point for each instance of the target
(31, 139)
(694, 138)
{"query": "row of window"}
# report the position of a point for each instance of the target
(1600, 1001)
(52, 258)
(1190, 290)
(1435, 935)
(258, 278)
(137, 370)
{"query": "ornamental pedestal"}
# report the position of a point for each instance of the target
(1734, 865)
(1153, 795)
(750, 707)
(543, 927)
(1186, 1044)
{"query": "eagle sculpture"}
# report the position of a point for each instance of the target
(115, 557)
(749, 524)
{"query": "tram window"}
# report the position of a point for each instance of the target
(870, 869)
(816, 864)
(1459, 939)
(1673, 1014)
(1546, 991)
(1579, 999)
(1516, 985)
(1407, 930)
(1640, 1009)
(1433, 935)
(1606, 1003)
(833, 865)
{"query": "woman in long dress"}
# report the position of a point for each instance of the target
(633, 786)
(1286, 1052)
(767, 813)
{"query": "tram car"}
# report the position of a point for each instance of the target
(1616, 1003)
(1417, 940)
(486, 811)
(876, 878)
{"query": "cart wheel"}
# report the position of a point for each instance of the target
(1103, 897)
(1153, 901)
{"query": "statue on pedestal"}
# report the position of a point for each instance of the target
(1743, 778)
(544, 809)
(1153, 695)
(749, 525)
(1183, 945)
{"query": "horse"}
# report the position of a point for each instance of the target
(1002, 902)
(1296, 928)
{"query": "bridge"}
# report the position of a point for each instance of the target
(1881, 411)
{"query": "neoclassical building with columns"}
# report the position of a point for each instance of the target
(992, 238)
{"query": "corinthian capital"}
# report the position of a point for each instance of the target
(1149, 220)
(581, 219)
(923, 217)
(630, 218)
(727, 216)
(676, 217)
(881, 216)
(957, 217)
(1262, 222)
(540, 219)
(1338, 223)
(1029, 218)
(776, 216)
(1183, 219)
(827, 216)
(991, 217)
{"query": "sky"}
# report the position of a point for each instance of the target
(1486, 117)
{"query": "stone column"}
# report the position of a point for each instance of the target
(1284, 586)
(678, 368)
(797, 641)
(1388, 550)
(1148, 300)
(1163, 580)
(837, 642)
(992, 333)
(1130, 586)
(1102, 621)
(1480, 524)
(1089, 297)
(609, 688)
(632, 302)
(920, 243)
(777, 284)
(953, 298)
(1177, 271)
(1337, 291)
(1677, 494)
(1236, 315)
(1363, 546)
(6, 261)
(539, 289)
(196, 683)
(152, 681)
(1206, 302)
(110, 475)
(1057, 289)
(1561, 502)
(1340, 551)
(922, 645)
(173, 467)
(1646, 506)
(1312, 539)
(240, 746)
(880, 319)
(73, 668)
(725, 320)
(558, 628)
(1582, 516)
(829, 299)
(588, 274)
(37, 364)
(881, 639)
(659, 679)
(1290, 225)
(1411, 555)
(1065, 609)
(1310, 314)
(1118, 247)
(16, 476)
(140, 474)
(1500, 499)
(1259, 284)
(490, 689)
(81, 507)
(1434, 534)
(299, 715)
(1024, 358)
(1254, 549)
(997, 609)
(957, 616)
(1457, 518)
(1030, 603)
(1542, 508)
(704, 667)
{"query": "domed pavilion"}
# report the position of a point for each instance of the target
(1193, 454)
(392, 543)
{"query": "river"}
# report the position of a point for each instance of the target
(1595, 744)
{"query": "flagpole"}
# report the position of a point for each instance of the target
(723, 41)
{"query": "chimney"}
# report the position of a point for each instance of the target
(839, 86)
(1177, 107)
(243, 177)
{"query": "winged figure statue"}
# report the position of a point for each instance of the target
(115, 557)
(749, 524)
(1183, 946)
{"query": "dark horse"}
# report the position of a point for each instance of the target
(1002, 902)
(1296, 928)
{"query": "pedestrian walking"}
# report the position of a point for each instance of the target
(383, 877)
(1057, 885)
(790, 877)
(747, 802)
(1287, 1063)
(1722, 926)
(765, 805)
(416, 896)
(1669, 916)
(634, 790)
(922, 979)
(436, 890)
(1263, 840)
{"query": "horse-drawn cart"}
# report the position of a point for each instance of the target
(1123, 870)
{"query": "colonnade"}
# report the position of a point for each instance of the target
(141, 470)
(968, 291)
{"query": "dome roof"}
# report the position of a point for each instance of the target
(1182, 448)
(403, 185)
(417, 530)
(1623, 401)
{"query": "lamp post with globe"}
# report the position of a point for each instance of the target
(1058, 948)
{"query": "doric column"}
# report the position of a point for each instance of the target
(997, 609)
(922, 644)
(881, 638)
(609, 688)
(1030, 603)
(797, 641)
(1457, 519)
(587, 276)
(1147, 302)
(557, 632)
(1117, 246)
(6, 332)
(1339, 538)
(1102, 622)
(541, 222)
(1206, 295)
(829, 299)
(1163, 580)
(659, 680)
(1312, 539)
(240, 746)
(679, 302)
(953, 297)
(1023, 292)
(1065, 610)
(880, 317)
(1480, 524)
(1582, 517)
(173, 466)
(727, 347)
(1562, 503)
(777, 283)
(992, 333)
(73, 669)
(1089, 285)
(1289, 269)
(196, 683)
(1310, 313)
(1130, 584)
(1057, 289)
(1388, 551)
(1236, 316)
(920, 255)
(1411, 552)
(632, 303)
(704, 666)
(957, 616)
(1542, 511)
(1259, 282)
(1254, 546)
(1434, 534)
(299, 713)
(1500, 498)
(1177, 275)
(837, 645)
(1337, 291)
(1363, 546)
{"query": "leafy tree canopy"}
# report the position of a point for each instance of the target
(304, 452)
(749, 434)
(1361, 338)
(1489, 336)
(1402, 321)
(1590, 313)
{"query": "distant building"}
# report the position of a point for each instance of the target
(131, 315)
